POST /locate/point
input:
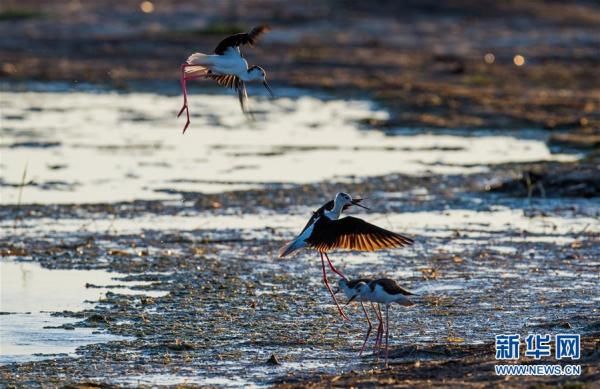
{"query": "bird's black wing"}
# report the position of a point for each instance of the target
(354, 234)
(316, 214)
(243, 97)
(392, 287)
(243, 38)
(226, 80)
(319, 212)
(235, 83)
(352, 283)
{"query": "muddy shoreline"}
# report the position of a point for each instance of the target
(167, 330)
(448, 366)
(513, 247)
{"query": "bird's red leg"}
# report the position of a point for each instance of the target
(183, 88)
(378, 338)
(329, 288)
(368, 330)
(387, 333)
(185, 107)
(334, 269)
(182, 80)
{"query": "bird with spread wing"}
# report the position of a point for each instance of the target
(227, 67)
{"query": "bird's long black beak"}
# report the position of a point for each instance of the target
(268, 88)
(336, 291)
(358, 204)
(351, 299)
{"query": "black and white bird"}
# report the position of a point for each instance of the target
(349, 287)
(383, 291)
(226, 66)
(325, 231)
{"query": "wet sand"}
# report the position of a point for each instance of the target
(230, 305)
(488, 259)
(450, 366)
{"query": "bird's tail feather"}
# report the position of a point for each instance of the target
(199, 59)
(290, 247)
(196, 71)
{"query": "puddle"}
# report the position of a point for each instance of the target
(106, 147)
(187, 379)
(24, 338)
(31, 293)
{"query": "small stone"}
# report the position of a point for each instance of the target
(273, 360)
(179, 346)
(96, 318)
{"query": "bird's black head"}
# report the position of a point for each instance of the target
(256, 73)
(252, 68)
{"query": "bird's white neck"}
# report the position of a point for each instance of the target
(335, 213)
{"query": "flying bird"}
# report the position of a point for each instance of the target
(227, 67)
(325, 231)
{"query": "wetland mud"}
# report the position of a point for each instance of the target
(195, 222)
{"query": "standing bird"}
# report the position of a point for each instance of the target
(226, 66)
(383, 291)
(325, 231)
(349, 287)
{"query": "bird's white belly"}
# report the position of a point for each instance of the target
(378, 296)
(230, 65)
(370, 296)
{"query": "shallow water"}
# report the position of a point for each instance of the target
(482, 264)
(30, 293)
(108, 146)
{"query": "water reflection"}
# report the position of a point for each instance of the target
(105, 147)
